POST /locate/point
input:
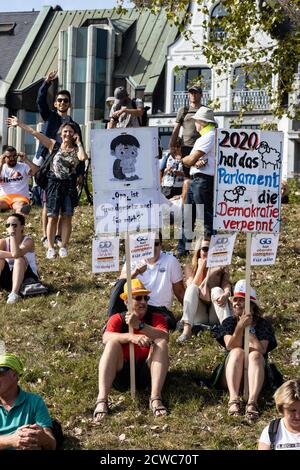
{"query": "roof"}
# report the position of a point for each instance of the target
(145, 42)
(14, 28)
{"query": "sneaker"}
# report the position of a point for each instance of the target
(63, 253)
(183, 338)
(12, 298)
(57, 240)
(44, 241)
(50, 253)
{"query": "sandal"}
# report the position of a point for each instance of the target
(159, 410)
(101, 410)
(253, 414)
(234, 408)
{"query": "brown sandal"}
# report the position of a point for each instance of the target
(101, 411)
(156, 410)
(237, 411)
(252, 415)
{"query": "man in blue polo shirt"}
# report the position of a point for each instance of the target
(25, 423)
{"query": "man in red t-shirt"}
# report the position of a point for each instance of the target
(150, 339)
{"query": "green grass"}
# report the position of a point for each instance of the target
(59, 338)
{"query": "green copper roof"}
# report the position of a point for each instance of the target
(145, 41)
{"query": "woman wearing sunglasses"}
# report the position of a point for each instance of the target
(17, 258)
(207, 293)
(61, 193)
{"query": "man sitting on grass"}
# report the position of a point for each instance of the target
(150, 339)
(25, 423)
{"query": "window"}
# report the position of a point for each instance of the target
(245, 94)
(186, 77)
(218, 12)
(7, 28)
(100, 73)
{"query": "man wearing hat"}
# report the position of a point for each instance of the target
(25, 423)
(123, 113)
(202, 167)
(150, 340)
(261, 342)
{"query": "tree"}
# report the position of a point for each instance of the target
(236, 34)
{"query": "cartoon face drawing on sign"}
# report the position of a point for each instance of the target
(269, 156)
(125, 150)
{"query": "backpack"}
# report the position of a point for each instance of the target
(57, 433)
(144, 119)
(41, 176)
(273, 428)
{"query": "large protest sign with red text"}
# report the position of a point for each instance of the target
(248, 180)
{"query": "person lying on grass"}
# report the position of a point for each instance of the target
(150, 339)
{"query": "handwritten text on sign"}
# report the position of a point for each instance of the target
(248, 180)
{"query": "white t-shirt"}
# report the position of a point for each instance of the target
(14, 180)
(160, 277)
(285, 440)
(206, 144)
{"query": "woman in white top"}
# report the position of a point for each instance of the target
(17, 258)
(287, 400)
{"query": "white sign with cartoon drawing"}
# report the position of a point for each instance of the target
(248, 180)
(123, 158)
(125, 171)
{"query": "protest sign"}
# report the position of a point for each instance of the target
(141, 246)
(264, 248)
(248, 180)
(105, 254)
(125, 174)
(220, 250)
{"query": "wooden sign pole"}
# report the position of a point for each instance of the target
(129, 308)
(247, 310)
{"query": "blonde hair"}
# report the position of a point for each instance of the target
(286, 394)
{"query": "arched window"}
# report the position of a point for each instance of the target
(218, 12)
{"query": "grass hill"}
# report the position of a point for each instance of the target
(59, 338)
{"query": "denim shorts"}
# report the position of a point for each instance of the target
(60, 198)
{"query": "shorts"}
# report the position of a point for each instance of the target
(61, 197)
(142, 376)
(185, 150)
(6, 276)
(10, 199)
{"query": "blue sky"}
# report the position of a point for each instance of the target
(20, 5)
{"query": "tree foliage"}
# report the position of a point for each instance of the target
(274, 54)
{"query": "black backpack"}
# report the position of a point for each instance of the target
(144, 119)
(41, 177)
(273, 428)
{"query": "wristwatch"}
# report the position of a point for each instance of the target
(141, 325)
(252, 330)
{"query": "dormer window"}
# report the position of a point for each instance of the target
(7, 28)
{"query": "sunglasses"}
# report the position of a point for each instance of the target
(11, 225)
(204, 248)
(63, 100)
(4, 370)
(141, 297)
